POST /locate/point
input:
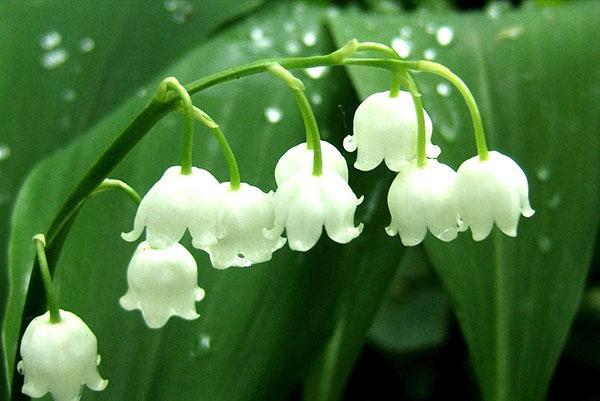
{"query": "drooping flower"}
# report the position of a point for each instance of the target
(59, 358)
(305, 203)
(162, 283)
(492, 190)
(245, 215)
(385, 128)
(422, 198)
(175, 203)
(299, 159)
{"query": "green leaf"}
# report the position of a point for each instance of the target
(50, 106)
(261, 328)
(534, 80)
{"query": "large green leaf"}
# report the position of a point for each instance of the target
(261, 327)
(536, 85)
(49, 105)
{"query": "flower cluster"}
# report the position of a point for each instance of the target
(432, 196)
(237, 225)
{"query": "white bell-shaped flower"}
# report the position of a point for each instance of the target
(385, 128)
(245, 216)
(162, 283)
(299, 159)
(175, 203)
(59, 358)
(305, 203)
(422, 198)
(492, 190)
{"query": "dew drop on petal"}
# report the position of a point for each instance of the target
(444, 35)
(554, 201)
(316, 72)
(50, 40)
(69, 95)
(309, 39)
(86, 45)
(402, 47)
(544, 243)
(4, 152)
(543, 173)
(54, 58)
(430, 54)
(443, 89)
(273, 115)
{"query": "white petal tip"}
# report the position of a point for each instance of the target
(126, 303)
(527, 212)
(360, 200)
(199, 294)
(130, 236)
(392, 232)
(98, 385)
(349, 144)
(448, 235)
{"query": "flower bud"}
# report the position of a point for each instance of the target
(492, 190)
(175, 203)
(385, 128)
(162, 283)
(59, 358)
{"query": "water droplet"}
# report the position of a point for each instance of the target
(555, 201)
(292, 47)
(402, 47)
(430, 54)
(50, 40)
(309, 39)
(510, 33)
(171, 5)
(444, 35)
(544, 243)
(4, 152)
(443, 89)
(289, 27)
(86, 45)
(141, 92)
(496, 9)
(316, 72)
(204, 341)
(180, 10)
(316, 99)
(69, 95)
(273, 115)
(405, 32)
(259, 39)
(20, 367)
(54, 58)
(447, 132)
(543, 173)
(430, 28)
(256, 33)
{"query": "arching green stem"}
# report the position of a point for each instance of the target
(438, 69)
(389, 52)
(40, 247)
(313, 139)
(172, 83)
(234, 171)
(421, 138)
(118, 185)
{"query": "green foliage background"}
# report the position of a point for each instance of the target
(301, 319)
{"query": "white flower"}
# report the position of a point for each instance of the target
(305, 203)
(162, 283)
(245, 215)
(59, 358)
(492, 190)
(422, 198)
(175, 203)
(299, 159)
(385, 128)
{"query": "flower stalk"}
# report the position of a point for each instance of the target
(52, 299)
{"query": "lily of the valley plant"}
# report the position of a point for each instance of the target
(239, 225)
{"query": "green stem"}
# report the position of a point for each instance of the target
(188, 138)
(438, 69)
(389, 52)
(313, 139)
(421, 138)
(215, 130)
(40, 243)
(119, 185)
